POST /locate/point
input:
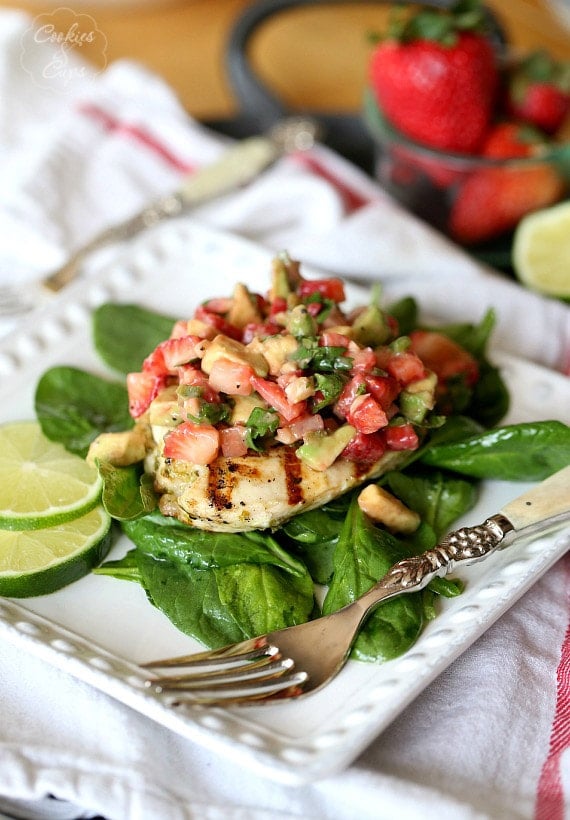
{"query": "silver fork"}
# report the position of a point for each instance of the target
(237, 166)
(301, 659)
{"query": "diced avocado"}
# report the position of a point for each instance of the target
(121, 449)
(371, 327)
(244, 307)
(222, 347)
(418, 398)
(165, 409)
(243, 405)
(285, 277)
(277, 350)
(300, 322)
(320, 450)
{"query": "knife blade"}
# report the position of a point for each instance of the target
(238, 166)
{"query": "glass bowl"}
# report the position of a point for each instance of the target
(472, 199)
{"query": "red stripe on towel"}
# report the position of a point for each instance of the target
(111, 123)
(352, 199)
(550, 794)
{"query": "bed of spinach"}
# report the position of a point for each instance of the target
(224, 587)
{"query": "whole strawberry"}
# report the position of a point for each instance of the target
(435, 77)
(493, 200)
(538, 91)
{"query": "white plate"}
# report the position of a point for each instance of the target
(176, 265)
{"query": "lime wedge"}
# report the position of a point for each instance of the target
(37, 562)
(41, 483)
(541, 251)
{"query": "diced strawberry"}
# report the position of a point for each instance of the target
(154, 362)
(355, 387)
(180, 328)
(232, 441)
(401, 437)
(327, 288)
(194, 377)
(195, 443)
(276, 397)
(365, 448)
(444, 356)
(364, 358)
(217, 321)
(385, 389)
(406, 367)
(299, 427)
(366, 414)
(142, 388)
(331, 338)
(181, 350)
(255, 329)
(278, 305)
(221, 305)
(231, 377)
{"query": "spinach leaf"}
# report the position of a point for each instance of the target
(73, 407)
(490, 400)
(363, 554)
(438, 498)
(456, 428)
(315, 536)
(530, 451)
(125, 334)
(405, 311)
(220, 587)
(127, 491)
(125, 568)
(166, 538)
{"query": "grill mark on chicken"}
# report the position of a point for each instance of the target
(257, 491)
(293, 477)
(223, 477)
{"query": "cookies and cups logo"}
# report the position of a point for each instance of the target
(62, 49)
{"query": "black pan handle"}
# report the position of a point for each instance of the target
(258, 104)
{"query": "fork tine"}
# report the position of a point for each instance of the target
(256, 671)
(256, 691)
(245, 650)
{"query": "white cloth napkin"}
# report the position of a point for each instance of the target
(488, 739)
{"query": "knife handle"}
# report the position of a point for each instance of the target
(549, 498)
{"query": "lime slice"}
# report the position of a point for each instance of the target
(37, 562)
(41, 483)
(541, 250)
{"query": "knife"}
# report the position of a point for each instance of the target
(238, 166)
(543, 508)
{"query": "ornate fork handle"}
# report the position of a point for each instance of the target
(464, 546)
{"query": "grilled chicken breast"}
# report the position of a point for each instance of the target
(256, 491)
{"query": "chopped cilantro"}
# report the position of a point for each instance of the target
(261, 422)
(329, 387)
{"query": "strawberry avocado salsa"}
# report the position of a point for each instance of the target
(277, 442)
(251, 372)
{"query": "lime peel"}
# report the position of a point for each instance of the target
(41, 483)
(38, 562)
(541, 250)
